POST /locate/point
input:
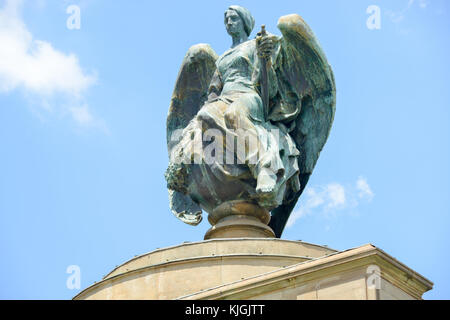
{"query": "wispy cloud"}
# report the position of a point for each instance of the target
(423, 3)
(41, 71)
(331, 198)
(399, 16)
(364, 190)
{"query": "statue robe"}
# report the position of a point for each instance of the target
(234, 107)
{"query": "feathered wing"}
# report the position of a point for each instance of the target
(305, 82)
(190, 93)
(194, 77)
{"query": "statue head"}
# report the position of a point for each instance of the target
(239, 20)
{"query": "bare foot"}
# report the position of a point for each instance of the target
(266, 181)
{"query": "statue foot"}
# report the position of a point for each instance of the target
(266, 187)
(266, 181)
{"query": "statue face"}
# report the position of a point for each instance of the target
(234, 23)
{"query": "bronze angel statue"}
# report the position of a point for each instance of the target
(245, 129)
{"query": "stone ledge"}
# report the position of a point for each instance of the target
(309, 274)
(259, 269)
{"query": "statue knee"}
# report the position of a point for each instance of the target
(231, 119)
(202, 115)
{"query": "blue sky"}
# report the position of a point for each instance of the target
(82, 134)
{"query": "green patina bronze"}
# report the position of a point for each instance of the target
(279, 91)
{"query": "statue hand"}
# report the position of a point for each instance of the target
(265, 45)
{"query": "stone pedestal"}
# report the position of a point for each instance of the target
(265, 268)
(238, 219)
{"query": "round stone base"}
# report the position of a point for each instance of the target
(238, 226)
(239, 219)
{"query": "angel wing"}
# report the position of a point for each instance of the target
(190, 93)
(306, 84)
(191, 87)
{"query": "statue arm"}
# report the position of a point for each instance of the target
(272, 75)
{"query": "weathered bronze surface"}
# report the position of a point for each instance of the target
(278, 92)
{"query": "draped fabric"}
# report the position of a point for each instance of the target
(238, 112)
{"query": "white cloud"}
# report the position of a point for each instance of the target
(335, 195)
(423, 3)
(399, 16)
(39, 69)
(332, 198)
(81, 114)
(365, 192)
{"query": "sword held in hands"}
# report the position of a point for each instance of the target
(266, 63)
